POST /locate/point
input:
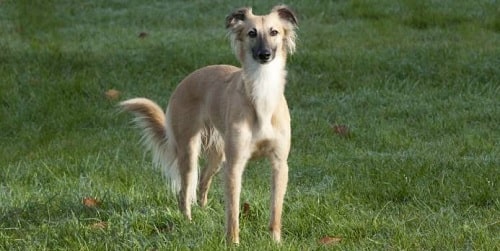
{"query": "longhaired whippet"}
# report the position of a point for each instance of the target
(231, 114)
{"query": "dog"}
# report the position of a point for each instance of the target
(231, 115)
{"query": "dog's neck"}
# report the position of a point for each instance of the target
(265, 87)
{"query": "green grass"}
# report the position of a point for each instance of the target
(417, 83)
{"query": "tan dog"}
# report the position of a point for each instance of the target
(232, 114)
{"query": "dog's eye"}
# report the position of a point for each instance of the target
(274, 33)
(252, 33)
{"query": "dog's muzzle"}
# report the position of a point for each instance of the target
(263, 55)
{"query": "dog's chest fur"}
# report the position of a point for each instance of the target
(265, 87)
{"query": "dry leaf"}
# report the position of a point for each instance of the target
(246, 209)
(91, 202)
(341, 130)
(99, 225)
(112, 94)
(328, 240)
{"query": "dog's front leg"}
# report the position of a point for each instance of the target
(237, 155)
(233, 177)
(188, 167)
(279, 184)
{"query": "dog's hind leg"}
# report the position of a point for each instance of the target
(215, 157)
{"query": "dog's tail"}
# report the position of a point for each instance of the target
(151, 119)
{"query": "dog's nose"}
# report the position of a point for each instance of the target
(265, 55)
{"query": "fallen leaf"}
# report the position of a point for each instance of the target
(341, 130)
(143, 34)
(112, 94)
(246, 209)
(99, 225)
(91, 202)
(329, 240)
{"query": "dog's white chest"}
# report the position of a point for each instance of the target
(264, 110)
(266, 91)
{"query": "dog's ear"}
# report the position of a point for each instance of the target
(237, 16)
(290, 25)
(284, 12)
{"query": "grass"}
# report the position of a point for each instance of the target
(416, 83)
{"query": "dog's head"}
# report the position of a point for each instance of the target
(262, 38)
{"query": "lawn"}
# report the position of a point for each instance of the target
(395, 116)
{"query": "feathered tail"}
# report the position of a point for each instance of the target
(151, 119)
